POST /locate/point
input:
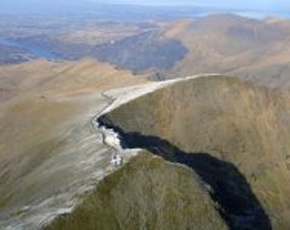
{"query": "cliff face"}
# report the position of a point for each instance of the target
(226, 119)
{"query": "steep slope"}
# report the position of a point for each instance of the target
(204, 121)
(49, 155)
(142, 195)
(142, 52)
(254, 49)
(48, 150)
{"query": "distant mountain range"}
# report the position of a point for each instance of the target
(253, 49)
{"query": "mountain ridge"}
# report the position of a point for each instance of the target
(227, 119)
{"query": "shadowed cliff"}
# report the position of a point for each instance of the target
(238, 206)
(237, 125)
(224, 145)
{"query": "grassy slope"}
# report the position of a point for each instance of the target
(48, 115)
(147, 193)
(257, 50)
(63, 78)
(228, 119)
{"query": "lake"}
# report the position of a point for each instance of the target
(37, 51)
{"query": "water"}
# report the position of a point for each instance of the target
(35, 50)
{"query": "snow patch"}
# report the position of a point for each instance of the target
(124, 95)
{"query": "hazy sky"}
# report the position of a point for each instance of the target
(268, 5)
(243, 4)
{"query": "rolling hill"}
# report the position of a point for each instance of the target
(252, 49)
(46, 78)
(45, 128)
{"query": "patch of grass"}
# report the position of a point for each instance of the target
(5, 201)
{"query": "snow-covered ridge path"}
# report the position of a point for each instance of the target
(118, 97)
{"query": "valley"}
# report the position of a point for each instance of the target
(252, 49)
(116, 116)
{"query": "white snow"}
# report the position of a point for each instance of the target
(123, 95)
(110, 138)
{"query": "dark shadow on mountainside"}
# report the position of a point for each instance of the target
(239, 206)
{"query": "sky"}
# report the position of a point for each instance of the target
(263, 5)
(240, 4)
